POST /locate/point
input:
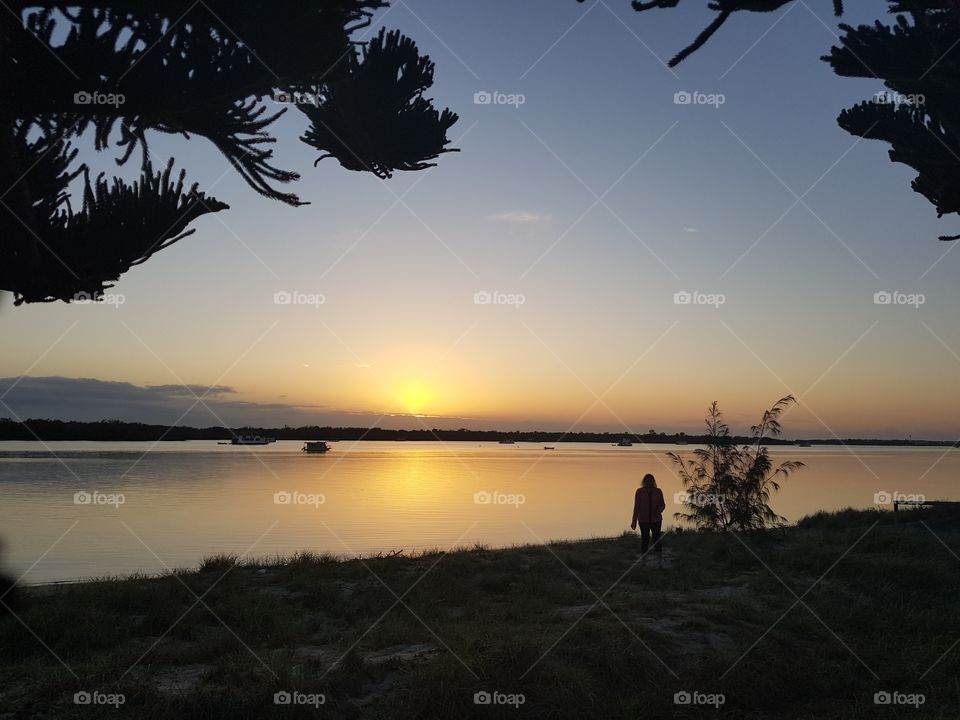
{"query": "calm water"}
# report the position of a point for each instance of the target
(185, 501)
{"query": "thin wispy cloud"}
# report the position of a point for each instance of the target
(191, 390)
(519, 217)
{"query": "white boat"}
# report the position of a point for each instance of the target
(252, 440)
(318, 446)
(625, 442)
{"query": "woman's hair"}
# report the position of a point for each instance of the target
(649, 481)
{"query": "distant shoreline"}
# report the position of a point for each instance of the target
(116, 431)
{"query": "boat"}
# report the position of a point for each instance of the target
(317, 446)
(625, 442)
(507, 442)
(549, 447)
(803, 443)
(252, 440)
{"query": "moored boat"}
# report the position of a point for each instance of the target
(318, 446)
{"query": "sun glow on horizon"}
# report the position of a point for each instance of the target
(414, 397)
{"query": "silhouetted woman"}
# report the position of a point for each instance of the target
(648, 507)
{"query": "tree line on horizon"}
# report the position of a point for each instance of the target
(49, 430)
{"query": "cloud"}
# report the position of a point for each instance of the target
(521, 217)
(88, 399)
(203, 391)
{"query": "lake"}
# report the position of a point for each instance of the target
(79, 510)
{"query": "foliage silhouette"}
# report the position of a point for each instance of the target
(728, 486)
(919, 62)
(209, 69)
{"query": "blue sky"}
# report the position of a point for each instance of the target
(693, 198)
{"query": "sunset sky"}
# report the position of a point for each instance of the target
(594, 203)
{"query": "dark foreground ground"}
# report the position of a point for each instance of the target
(845, 616)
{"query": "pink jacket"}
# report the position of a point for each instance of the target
(648, 506)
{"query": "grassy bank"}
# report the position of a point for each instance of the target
(807, 622)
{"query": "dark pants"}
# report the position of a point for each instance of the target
(646, 529)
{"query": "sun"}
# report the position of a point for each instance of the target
(414, 397)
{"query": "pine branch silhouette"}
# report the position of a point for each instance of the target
(118, 72)
(918, 59)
